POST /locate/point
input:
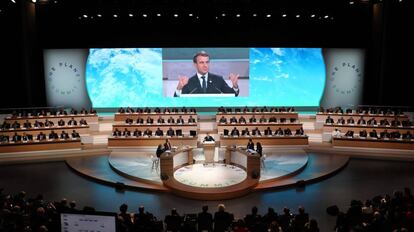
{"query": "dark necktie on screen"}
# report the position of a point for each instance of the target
(204, 84)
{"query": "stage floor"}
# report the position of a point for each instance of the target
(138, 164)
(131, 169)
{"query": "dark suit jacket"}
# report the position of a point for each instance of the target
(215, 84)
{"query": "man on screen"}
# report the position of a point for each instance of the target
(204, 82)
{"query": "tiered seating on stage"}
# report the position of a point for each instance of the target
(389, 129)
(274, 126)
(146, 127)
(377, 114)
(44, 130)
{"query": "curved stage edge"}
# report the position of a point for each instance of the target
(317, 168)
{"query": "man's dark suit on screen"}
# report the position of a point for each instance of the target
(214, 83)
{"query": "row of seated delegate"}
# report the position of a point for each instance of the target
(371, 122)
(374, 135)
(223, 120)
(40, 137)
(60, 112)
(362, 110)
(38, 124)
(264, 109)
(148, 133)
(160, 120)
(40, 214)
(156, 110)
(267, 132)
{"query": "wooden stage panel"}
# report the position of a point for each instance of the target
(150, 141)
(264, 140)
(40, 146)
(373, 143)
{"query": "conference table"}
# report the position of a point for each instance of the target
(261, 126)
(328, 128)
(174, 159)
(264, 140)
(321, 117)
(257, 115)
(84, 129)
(155, 116)
(90, 118)
(186, 127)
(373, 143)
(121, 141)
(249, 160)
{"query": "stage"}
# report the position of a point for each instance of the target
(136, 169)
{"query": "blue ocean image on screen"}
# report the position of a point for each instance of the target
(119, 77)
(287, 76)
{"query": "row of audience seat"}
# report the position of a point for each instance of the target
(370, 122)
(267, 132)
(20, 213)
(222, 110)
(262, 119)
(148, 132)
(39, 124)
(42, 113)
(363, 110)
(40, 137)
(156, 110)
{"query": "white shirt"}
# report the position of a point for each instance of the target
(201, 79)
(336, 133)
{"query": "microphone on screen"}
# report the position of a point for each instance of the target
(211, 83)
(192, 91)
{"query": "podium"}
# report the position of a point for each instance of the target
(209, 95)
(209, 147)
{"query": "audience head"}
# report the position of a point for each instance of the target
(141, 209)
(221, 207)
(205, 208)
